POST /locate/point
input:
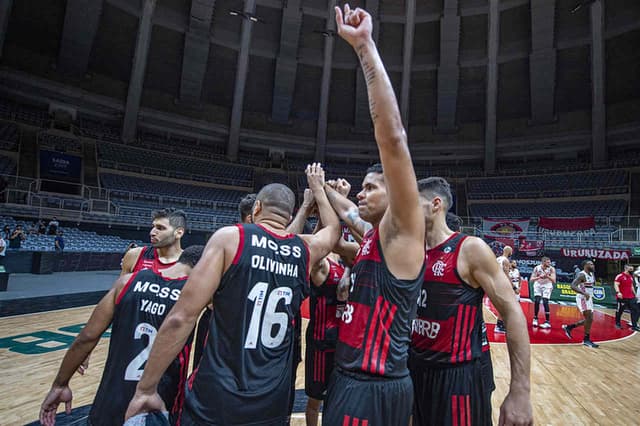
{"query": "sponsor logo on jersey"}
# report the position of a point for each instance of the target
(447, 249)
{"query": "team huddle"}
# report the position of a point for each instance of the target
(396, 334)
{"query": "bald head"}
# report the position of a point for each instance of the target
(506, 251)
(278, 199)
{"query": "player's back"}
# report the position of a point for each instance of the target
(323, 302)
(244, 376)
(141, 307)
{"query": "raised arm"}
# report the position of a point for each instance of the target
(321, 243)
(480, 269)
(348, 213)
(196, 294)
(406, 217)
(297, 224)
(87, 339)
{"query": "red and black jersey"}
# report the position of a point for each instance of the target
(244, 375)
(448, 328)
(141, 308)
(323, 322)
(374, 333)
(148, 259)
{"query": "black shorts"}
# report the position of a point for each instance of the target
(487, 371)
(359, 400)
(457, 395)
(187, 418)
(318, 366)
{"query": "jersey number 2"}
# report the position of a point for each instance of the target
(134, 369)
(257, 295)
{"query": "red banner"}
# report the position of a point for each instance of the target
(505, 227)
(531, 247)
(567, 223)
(596, 254)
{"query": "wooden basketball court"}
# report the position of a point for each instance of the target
(571, 384)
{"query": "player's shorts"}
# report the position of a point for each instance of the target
(515, 285)
(582, 303)
(487, 371)
(456, 395)
(543, 290)
(318, 366)
(361, 400)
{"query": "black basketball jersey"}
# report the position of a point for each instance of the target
(141, 307)
(322, 330)
(449, 326)
(148, 259)
(244, 376)
(374, 334)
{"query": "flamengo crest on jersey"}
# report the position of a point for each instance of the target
(448, 326)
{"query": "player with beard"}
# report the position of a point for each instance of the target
(583, 286)
(168, 227)
(258, 275)
(136, 307)
(446, 355)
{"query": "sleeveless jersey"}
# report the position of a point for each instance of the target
(148, 259)
(448, 329)
(539, 270)
(514, 275)
(244, 376)
(140, 309)
(322, 330)
(589, 281)
(374, 333)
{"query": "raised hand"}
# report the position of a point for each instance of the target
(354, 26)
(343, 187)
(315, 177)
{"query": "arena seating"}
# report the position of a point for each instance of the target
(180, 167)
(57, 142)
(7, 165)
(9, 133)
(552, 209)
(75, 239)
(549, 186)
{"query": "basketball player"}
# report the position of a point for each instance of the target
(505, 266)
(447, 342)
(258, 275)
(137, 304)
(322, 333)
(583, 286)
(543, 277)
(245, 207)
(371, 383)
(168, 227)
(626, 297)
(514, 276)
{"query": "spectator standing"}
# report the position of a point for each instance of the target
(17, 237)
(42, 227)
(6, 232)
(59, 242)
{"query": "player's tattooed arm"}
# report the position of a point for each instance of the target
(348, 212)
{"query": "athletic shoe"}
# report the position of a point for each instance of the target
(619, 326)
(635, 328)
(547, 324)
(567, 330)
(535, 322)
(589, 343)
